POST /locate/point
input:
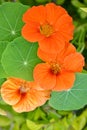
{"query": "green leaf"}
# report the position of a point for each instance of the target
(3, 45)
(41, 1)
(19, 119)
(4, 121)
(33, 126)
(2, 81)
(20, 58)
(3, 112)
(11, 20)
(60, 2)
(16, 127)
(74, 98)
(77, 3)
(79, 122)
(28, 2)
(24, 127)
(84, 9)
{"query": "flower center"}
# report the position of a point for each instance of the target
(55, 68)
(46, 30)
(24, 88)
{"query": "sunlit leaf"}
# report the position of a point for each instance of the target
(4, 121)
(49, 127)
(19, 119)
(24, 127)
(11, 20)
(20, 58)
(60, 2)
(74, 98)
(33, 126)
(3, 112)
(16, 127)
(79, 122)
(77, 3)
(84, 9)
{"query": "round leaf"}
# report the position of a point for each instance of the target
(20, 58)
(3, 45)
(72, 99)
(11, 20)
(2, 81)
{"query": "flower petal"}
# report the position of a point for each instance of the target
(74, 62)
(44, 77)
(31, 32)
(35, 14)
(47, 57)
(52, 44)
(69, 49)
(31, 100)
(54, 12)
(59, 55)
(64, 81)
(10, 92)
(65, 27)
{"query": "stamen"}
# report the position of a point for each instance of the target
(55, 68)
(46, 30)
(24, 88)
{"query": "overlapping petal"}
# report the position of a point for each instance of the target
(44, 77)
(10, 92)
(54, 12)
(31, 100)
(74, 62)
(31, 32)
(52, 44)
(35, 14)
(64, 81)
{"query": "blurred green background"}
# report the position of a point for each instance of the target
(46, 118)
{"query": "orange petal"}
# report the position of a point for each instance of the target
(54, 12)
(10, 92)
(47, 57)
(74, 62)
(36, 14)
(31, 100)
(59, 55)
(16, 81)
(31, 32)
(70, 49)
(64, 81)
(65, 27)
(44, 77)
(52, 44)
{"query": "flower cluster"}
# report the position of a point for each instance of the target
(52, 27)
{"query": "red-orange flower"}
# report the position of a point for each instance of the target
(50, 25)
(58, 71)
(24, 96)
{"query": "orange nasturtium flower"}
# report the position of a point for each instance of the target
(50, 25)
(24, 96)
(58, 71)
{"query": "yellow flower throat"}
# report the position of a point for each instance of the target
(55, 68)
(46, 30)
